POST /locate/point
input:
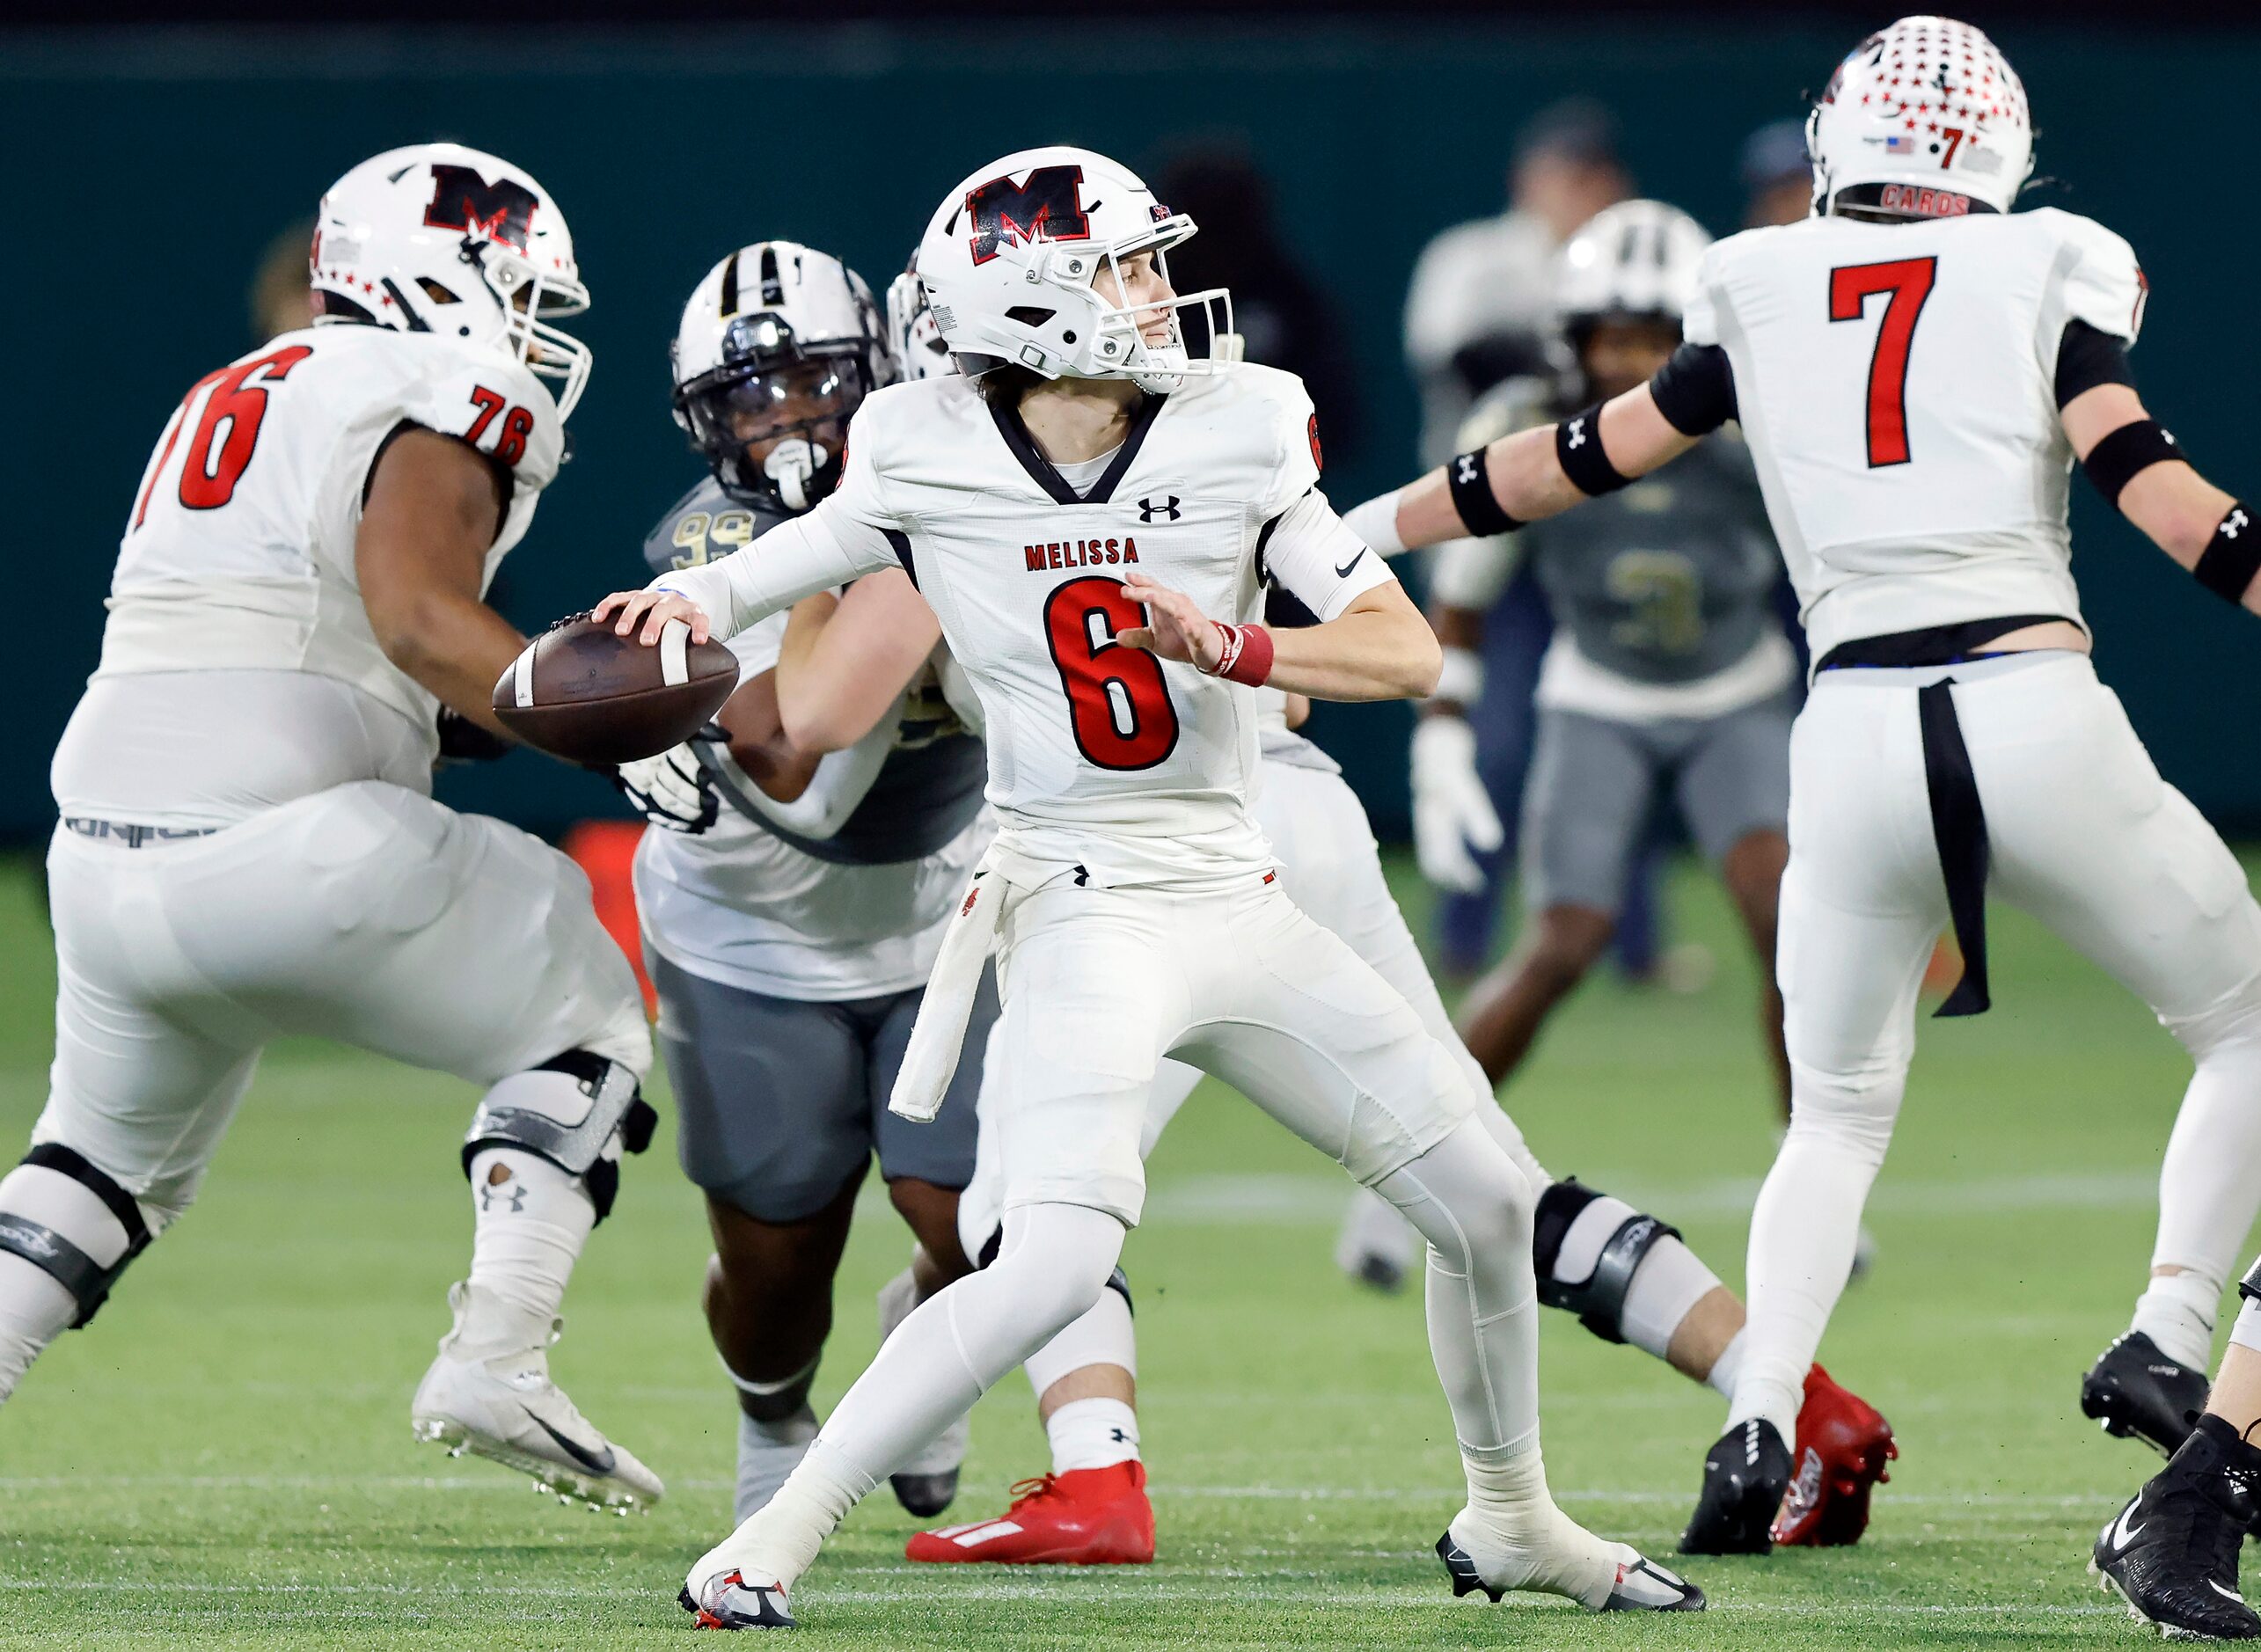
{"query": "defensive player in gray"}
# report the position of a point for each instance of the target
(792, 905)
(1670, 672)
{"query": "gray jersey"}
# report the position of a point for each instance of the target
(842, 893)
(1668, 581)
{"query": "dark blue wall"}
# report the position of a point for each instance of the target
(149, 171)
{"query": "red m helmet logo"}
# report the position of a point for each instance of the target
(462, 200)
(1047, 208)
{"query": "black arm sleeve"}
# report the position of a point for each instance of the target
(1695, 390)
(2087, 357)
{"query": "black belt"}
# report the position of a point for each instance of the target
(132, 836)
(1959, 820)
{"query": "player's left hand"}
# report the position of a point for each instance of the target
(1175, 628)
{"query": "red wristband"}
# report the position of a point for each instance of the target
(1247, 656)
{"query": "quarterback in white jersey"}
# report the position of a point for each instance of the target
(1074, 516)
(249, 846)
(1916, 368)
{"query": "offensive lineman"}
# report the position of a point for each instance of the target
(1626, 1275)
(248, 847)
(794, 902)
(1916, 368)
(1137, 908)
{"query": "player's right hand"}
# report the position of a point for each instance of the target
(1452, 810)
(655, 609)
(672, 791)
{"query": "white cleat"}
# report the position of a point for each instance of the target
(729, 1593)
(1600, 1575)
(502, 1405)
(928, 1482)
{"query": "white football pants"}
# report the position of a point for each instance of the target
(367, 913)
(2086, 837)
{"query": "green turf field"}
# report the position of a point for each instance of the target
(224, 1460)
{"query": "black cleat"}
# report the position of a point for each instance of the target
(2172, 1553)
(1462, 1570)
(732, 1603)
(2140, 1394)
(1744, 1476)
(925, 1496)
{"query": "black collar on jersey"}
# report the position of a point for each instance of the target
(1047, 476)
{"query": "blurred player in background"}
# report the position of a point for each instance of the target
(281, 298)
(792, 902)
(248, 847)
(1626, 1275)
(1667, 674)
(1777, 178)
(1481, 304)
(1140, 913)
(1916, 368)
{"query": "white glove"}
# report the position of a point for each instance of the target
(1451, 811)
(672, 791)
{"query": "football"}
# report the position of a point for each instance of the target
(581, 692)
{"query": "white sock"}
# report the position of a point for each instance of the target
(34, 1310)
(1507, 1491)
(777, 1542)
(1519, 1536)
(1091, 1434)
(2177, 1312)
(531, 1219)
(1729, 1366)
(1804, 1232)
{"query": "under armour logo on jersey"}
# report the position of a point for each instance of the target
(1169, 508)
(1083, 874)
(1121, 1439)
(1465, 471)
(1578, 432)
(490, 1197)
(2233, 524)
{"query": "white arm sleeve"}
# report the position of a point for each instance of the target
(793, 560)
(1319, 560)
(848, 535)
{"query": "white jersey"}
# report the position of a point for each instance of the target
(1133, 768)
(1896, 384)
(740, 904)
(236, 566)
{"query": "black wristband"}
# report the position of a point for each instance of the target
(1469, 478)
(2232, 557)
(2114, 462)
(1577, 446)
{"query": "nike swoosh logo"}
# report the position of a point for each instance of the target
(2226, 1594)
(2122, 1533)
(1342, 569)
(596, 1463)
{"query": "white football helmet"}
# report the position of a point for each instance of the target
(1009, 258)
(777, 349)
(1922, 120)
(920, 350)
(439, 238)
(1634, 262)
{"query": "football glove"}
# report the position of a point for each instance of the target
(463, 740)
(1451, 811)
(672, 791)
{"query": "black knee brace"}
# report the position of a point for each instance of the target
(1118, 1282)
(612, 1104)
(1599, 1299)
(2250, 1287)
(72, 1267)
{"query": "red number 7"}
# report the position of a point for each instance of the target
(1908, 281)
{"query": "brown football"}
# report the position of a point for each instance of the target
(584, 694)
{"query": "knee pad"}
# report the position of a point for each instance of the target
(1598, 1299)
(570, 1110)
(78, 1218)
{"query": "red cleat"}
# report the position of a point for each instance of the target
(1087, 1516)
(1843, 1445)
